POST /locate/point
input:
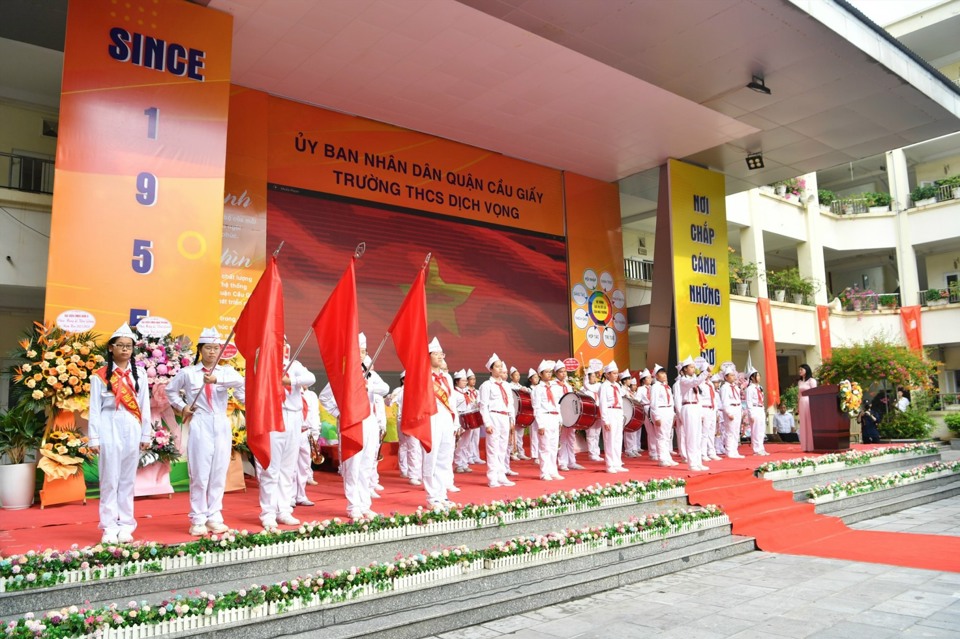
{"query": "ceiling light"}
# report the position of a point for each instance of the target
(755, 161)
(757, 84)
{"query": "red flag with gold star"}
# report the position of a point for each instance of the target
(489, 288)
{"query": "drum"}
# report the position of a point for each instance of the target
(471, 419)
(578, 410)
(523, 407)
(633, 415)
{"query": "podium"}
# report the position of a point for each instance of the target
(831, 426)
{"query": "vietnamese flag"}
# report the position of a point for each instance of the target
(701, 338)
(259, 338)
(337, 328)
(409, 331)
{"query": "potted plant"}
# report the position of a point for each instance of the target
(924, 195)
(21, 431)
(740, 272)
(826, 198)
(953, 423)
(877, 202)
(936, 296)
(953, 182)
(857, 299)
(777, 282)
(803, 289)
(889, 300)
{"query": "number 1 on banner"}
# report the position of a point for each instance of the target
(153, 120)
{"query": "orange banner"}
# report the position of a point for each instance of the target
(138, 207)
(345, 155)
(823, 330)
(910, 316)
(769, 351)
(598, 300)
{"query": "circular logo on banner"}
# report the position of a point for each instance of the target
(606, 281)
(153, 326)
(619, 322)
(579, 295)
(75, 321)
(609, 337)
(593, 336)
(229, 351)
(590, 278)
(581, 318)
(599, 308)
(618, 298)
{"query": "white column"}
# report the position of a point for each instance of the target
(899, 179)
(810, 253)
(751, 245)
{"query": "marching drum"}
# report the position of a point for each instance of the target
(578, 410)
(633, 415)
(471, 419)
(523, 407)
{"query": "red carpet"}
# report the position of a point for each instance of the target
(781, 525)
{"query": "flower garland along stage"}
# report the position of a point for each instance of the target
(182, 614)
(840, 489)
(837, 461)
(51, 567)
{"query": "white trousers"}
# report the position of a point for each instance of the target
(631, 441)
(497, 452)
(691, 426)
(534, 440)
(549, 443)
(118, 461)
(473, 446)
(438, 463)
(208, 458)
(304, 469)
(277, 492)
(664, 433)
(567, 456)
(356, 472)
(653, 439)
(731, 433)
(613, 440)
(708, 432)
(758, 428)
(463, 453)
(593, 441)
(411, 457)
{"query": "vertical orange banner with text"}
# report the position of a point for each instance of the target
(598, 301)
(138, 198)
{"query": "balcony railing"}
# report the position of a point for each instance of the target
(849, 206)
(638, 269)
(25, 173)
(869, 301)
(947, 192)
(939, 296)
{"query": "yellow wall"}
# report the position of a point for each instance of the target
(21, 129)
(941, 168)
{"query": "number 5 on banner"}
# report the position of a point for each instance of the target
(142, 261)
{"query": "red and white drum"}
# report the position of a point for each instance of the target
(471, 419)
(522, 406)
(633, 415)
(578, 410)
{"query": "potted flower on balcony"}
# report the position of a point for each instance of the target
(826, 198)
(889, 300)
(937, 296)
(801, 288)
(740, 272)
(953, 182)
(858, 299)
(924, 195)
(777, 282)
(877, 202)
(794, 187)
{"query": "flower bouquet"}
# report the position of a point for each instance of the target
(162, 448)
(851, 396)
(63, 453)
(162, 358)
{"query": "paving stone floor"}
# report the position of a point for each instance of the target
(766, 595)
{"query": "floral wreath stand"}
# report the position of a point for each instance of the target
(63, 480)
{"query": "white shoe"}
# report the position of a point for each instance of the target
(563, 468)
(374, 494)
(576, 467)
(311, 481)
(592, 458)
(558, 477)
(511, 473)
(460, 469)
(108, 538)
(622, 470)
(416, 482)
(479, 461)
(612, 471)
(514, 457)
(507, 482)
(453, 489)
(715, 457)
(378, 487)
(288, 520)
(546, 478)
(197, 530)
(494, 484)
(125, 538)
(217, 527)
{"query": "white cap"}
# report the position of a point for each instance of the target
(513, 369)
(595, 366)
(644, 373)
(531, 373)
(656, 369)
(210, 336)
(403, 373)
(750, 371)
(470, 373)
(716, 378)
(493, 360)
(546, 365)
(687, 362)
(625, 374)
(124, 331)
(363, 340)
(559, 365)
(460, 374)
(434, 346)
(611, 368)
(728, 369)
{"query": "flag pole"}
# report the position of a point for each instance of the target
(386, 335)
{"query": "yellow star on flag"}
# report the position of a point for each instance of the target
(443, 298)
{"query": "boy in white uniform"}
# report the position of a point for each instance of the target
(496, 406)
(662, 413)
(594, 368)
(631, 441)
(546, 410)
(731, 403)
(438, 463)
(567, 457)
(611, 415)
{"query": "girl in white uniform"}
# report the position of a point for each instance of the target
(210, 442)
(119, 430)
(757, 411)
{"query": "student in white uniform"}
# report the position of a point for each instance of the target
(210, 440)
(277, 487)
(533, 380)
(496, 405)
(758, 412)
(592, 386)
(463, 454)
(546, 410)
(709, 402)
(119, 429)
(311, 428)
(662, 413)
(517, 452)
(473, 437)
(731, 403)
(611, 416)
(719, 438)
(691, 421)
(438, 463)
(567, 456)
(410, 450)
(631, 441)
